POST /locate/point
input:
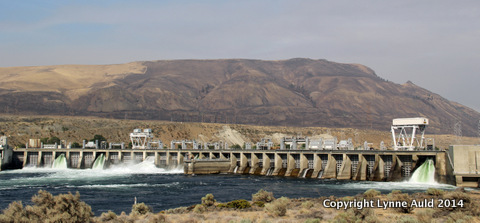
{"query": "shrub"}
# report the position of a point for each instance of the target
(407, 219)
(364, 213)
(371, 219)
(49, 208)
(199, 208)
(208, 200)
(239, 204)
(307, 204)
(179, 210)
(435, 192)
(404, 197)
(263, 195)
(141, 209)
(76, 145)
(310, 214)
(316, 220)
(346, 216)
(222, 205)
(278, 207)
(259, 204)
(459, 217)
(371, 193)
(425, 215)
(14, 213)
(108, 216)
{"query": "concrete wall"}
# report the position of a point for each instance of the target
(466, 164)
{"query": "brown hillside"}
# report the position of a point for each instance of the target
(295, 92)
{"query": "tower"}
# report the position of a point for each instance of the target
(404, 133)
(140, 140)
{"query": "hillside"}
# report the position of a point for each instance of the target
(75, 129)
(295, 92)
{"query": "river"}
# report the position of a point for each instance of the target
(115, 188)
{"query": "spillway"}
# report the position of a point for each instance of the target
(425, 173)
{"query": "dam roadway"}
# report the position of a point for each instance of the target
(373, 165)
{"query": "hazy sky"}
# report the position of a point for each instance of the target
(435, 44)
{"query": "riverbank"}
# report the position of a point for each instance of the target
(433, 205)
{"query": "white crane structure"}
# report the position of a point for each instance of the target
(140, 139)
(404, 133)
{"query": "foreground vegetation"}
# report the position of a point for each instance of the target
(263, 207)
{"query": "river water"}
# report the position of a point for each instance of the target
(115, 188)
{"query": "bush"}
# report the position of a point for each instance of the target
(239, 204)
(259, 204)
(310, 214)
(49, 208)
(263, 195)
(407, 219)
(364, 214)
(141, 209)
(346, 216)
(108, 216)
(222, 205)
(392, 194)
(316, 220)
(179, 210)
(76, 145)
(278, 207)
(404, 197)
(371, 193)
(307, 204)
(208, 200)
(470, 206)
(425, 215)
(435, 192)
(199, 208)
(14, 213)
(459, 217)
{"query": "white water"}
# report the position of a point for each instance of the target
(99, 162)
(270, 171)
(305, 173)
(235, 170)
(67, 176)
(320, 174)
(60, 162)
(424, 174)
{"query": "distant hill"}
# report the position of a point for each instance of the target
(295, 92)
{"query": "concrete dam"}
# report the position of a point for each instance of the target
(302, 157)
(335, 164)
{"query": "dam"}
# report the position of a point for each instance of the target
(325, 164)
(295, 157)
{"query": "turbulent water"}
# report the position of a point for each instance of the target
(115, 188)
(99, 162)
(425, 173)
(60, 162)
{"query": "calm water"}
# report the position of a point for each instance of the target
(115, 188)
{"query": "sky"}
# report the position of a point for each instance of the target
(433, 43)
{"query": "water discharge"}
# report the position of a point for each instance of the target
(99, 163)
(425, 173)
(60, 162)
